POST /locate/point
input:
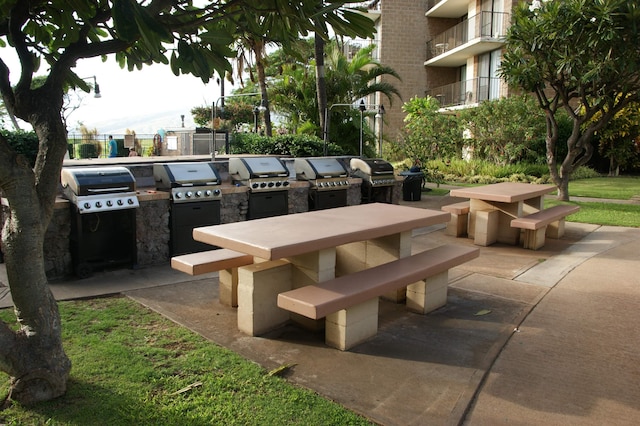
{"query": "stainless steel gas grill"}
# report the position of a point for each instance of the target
(195, 201)
(378, 179)
(268, 181)
(103, 217)
(328, 178)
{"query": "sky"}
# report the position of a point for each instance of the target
(141, 100)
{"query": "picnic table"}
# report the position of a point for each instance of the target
(492, 207)
(306, 249)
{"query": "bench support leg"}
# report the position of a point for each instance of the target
(428, 295)
(349, 327)
(486, 227)
(555, 229)
(457, 226)
(310, 269)
(228, 287)
(258, 288)
(354, 257)
(534, 239)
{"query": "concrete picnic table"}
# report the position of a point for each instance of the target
(306, 248)
(509, 200)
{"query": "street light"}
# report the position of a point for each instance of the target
(213, 122)
(362, 108)
(256, 112)
(96, 88)
(380, 116)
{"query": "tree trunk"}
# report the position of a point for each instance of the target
(321, 87)
(258, 51)
(33, 356)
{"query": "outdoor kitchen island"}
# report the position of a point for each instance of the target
(307, 249)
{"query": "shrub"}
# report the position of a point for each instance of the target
(25, 143)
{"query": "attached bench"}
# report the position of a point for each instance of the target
(350, 302)
(224, 261)
(457, 226)
(548, 222)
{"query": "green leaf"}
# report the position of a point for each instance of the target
(124, 21)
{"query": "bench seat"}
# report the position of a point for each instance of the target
(548, 222)
(458, 223)
(350, 302)
(224, 261)
(210, 261)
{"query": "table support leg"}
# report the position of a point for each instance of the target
(362, 255)
(258, 288)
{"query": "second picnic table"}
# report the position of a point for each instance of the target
(492, 207)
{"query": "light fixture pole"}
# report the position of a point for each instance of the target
(213, 121)
(96, 88)
(362, 108)
(380, 116)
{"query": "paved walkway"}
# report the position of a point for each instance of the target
(527, 337)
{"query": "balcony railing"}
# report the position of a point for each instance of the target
(485, 25)
(469, 92)
(351, 48)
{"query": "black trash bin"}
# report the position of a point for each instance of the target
(412, 185)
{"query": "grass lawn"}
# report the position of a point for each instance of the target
(131, 366)
(619, 188)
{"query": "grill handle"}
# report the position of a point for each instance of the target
(101, 190)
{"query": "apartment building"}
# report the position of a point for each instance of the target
(447, 49)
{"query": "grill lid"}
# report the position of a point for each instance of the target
(318, 168)
(172, 175)
(83, 181)
(372, 166)
(257, 167)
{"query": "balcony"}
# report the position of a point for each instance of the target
(468, 93)
(479, 34)
(446, 8)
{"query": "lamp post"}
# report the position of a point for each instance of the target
(213, 121)
(362, 108)
(96, 88)
(380, 116)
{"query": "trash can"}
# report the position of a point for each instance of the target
(412, 185)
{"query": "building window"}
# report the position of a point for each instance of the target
(488, 79)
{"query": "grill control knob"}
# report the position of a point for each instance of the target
(255, 185)
(109, 203)
(189, 194)
(271, 184)
(285, 183)
(87, 205)
(98, 204)
(178, 195)
(120, 202)
(198, 194)
(207, 193)
(130, 201)
(263, 184)
(278, 184)
(216, 192)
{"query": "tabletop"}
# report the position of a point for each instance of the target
(504, 192)
(294, 234)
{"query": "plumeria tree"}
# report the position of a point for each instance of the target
(580, 56)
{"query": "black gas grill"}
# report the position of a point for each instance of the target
(328, 178)
(195, 201)
(268, 181)
(378, 179)
(103, 217)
